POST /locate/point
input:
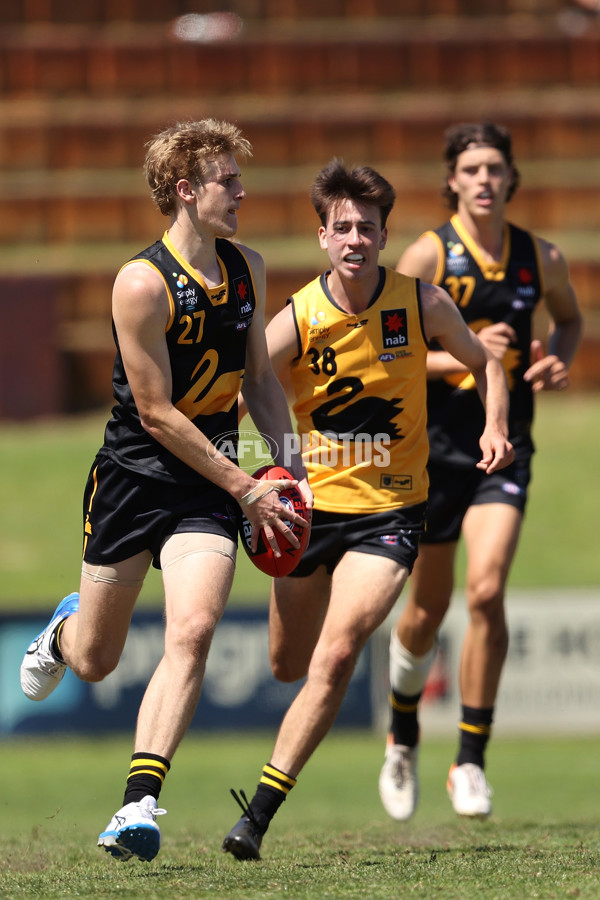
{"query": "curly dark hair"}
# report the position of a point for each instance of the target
(459, 138)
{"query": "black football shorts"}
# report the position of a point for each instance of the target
(452, 491)
(126, 513)
(394, 534)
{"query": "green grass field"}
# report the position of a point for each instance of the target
(43, 467)
(331, 839)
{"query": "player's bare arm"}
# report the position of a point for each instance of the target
(140, 312)
(262, 392)
(420, 260)
(549, 371)
(497, 338)
(282, 345)
(444, 324)
(266, 403)
(282, 341)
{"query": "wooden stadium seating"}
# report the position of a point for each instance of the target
(82, 89)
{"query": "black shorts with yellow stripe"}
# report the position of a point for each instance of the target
(126, 513)
(394, 534)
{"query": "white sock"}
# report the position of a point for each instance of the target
(408, 673)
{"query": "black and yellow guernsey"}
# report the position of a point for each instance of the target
(206, 338)
(485, 293)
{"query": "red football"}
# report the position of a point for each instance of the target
(264, 558)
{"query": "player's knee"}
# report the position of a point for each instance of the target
(427, 621)
(486, 607)
(486, 598)
(290, 653)
(336, 665)
(287, 669)
(190, 638)
(95, 667)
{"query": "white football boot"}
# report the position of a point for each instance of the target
(469, 791)
(398, 781)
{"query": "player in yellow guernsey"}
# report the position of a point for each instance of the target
(188, 322)
(352, 348)
(360, 400)
(496, 274)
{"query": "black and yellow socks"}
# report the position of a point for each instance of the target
(474, 731)
(408, 675)
(146, 776)
(405, 723)
(272, 789)
(55, 642)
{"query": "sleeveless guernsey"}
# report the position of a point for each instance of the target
(485, 294)
(360, 389)
(206, 340)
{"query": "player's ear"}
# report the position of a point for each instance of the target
(185, 190)
(513, 183)
(322, 237)
(383, 239)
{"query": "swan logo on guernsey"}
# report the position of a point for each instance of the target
(394, 328)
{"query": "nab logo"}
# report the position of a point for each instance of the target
(394, 328)
(242, 292)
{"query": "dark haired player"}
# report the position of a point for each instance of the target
(352, 346)
(496, 275)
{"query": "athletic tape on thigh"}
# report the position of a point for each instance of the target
(129, 573)
(179, 546)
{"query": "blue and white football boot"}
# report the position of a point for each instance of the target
(133, 831)
(41, 670)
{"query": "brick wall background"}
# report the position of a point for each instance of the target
(373, 81)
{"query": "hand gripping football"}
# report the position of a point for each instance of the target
(264, 558)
